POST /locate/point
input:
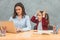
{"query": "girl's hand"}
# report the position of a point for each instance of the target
(44, 13)
(36, 13)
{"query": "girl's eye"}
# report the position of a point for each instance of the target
(38, 15)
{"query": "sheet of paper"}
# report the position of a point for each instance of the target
(45, 31)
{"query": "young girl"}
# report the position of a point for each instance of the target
(40, 20)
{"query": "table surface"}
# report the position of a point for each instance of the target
(30, 35)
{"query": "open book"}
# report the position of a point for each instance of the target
(45, 31)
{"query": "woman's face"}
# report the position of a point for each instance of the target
(39, 16)
(18, 10)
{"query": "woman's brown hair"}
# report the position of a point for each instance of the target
(23, 9)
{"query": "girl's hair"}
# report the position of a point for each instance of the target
(23, 9)
(41, 12)
(46, 16)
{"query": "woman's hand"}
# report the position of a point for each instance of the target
(19, 30)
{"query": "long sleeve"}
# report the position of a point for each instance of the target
(23, 24)
(33, 19)
(27, 24)
(45, 22)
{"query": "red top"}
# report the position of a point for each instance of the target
(44, 23)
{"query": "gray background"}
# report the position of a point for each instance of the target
(31, 6)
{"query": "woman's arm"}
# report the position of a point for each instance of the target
(27, 24)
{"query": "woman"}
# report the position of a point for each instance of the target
(20, 19)
(40, 20)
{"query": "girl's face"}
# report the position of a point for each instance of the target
(18, 10)
(39, 16)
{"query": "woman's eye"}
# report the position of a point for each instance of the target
(17, 9)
